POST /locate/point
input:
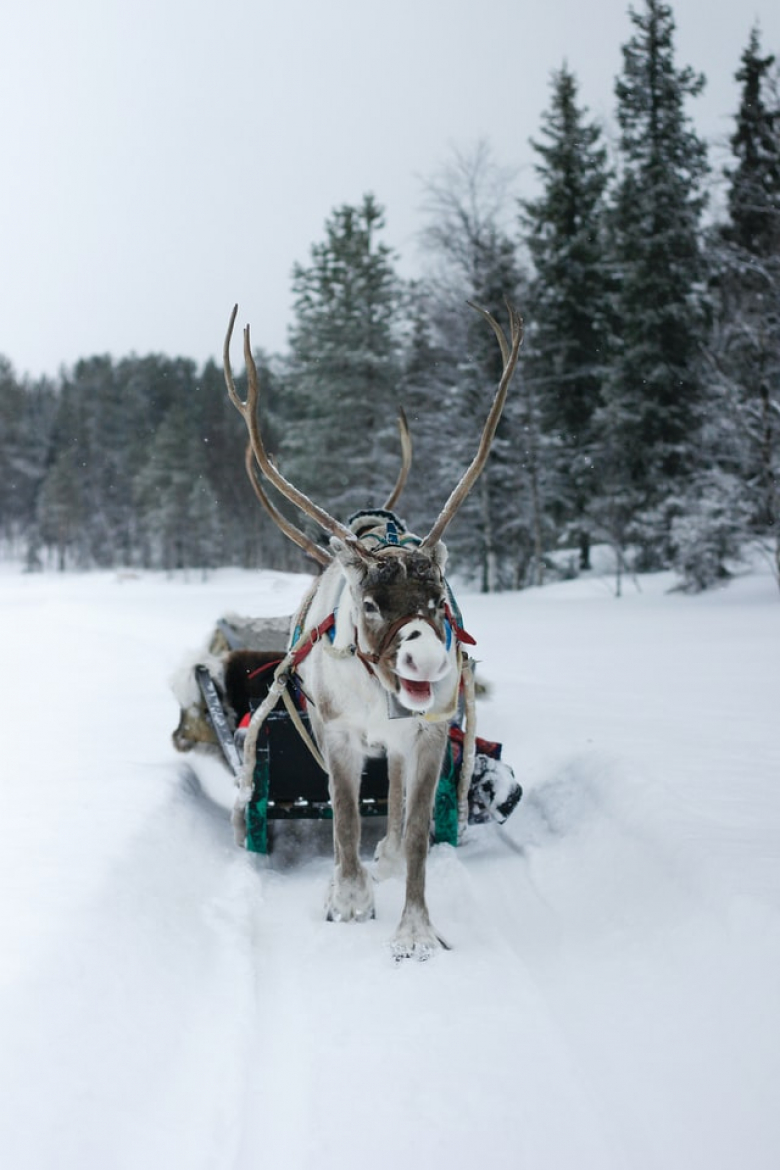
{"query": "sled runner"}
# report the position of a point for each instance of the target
(238, 676)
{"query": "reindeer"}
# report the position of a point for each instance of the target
(380, 663)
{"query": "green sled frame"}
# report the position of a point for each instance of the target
(289, 784)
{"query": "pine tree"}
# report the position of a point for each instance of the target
(338, 407)
(26, 415)
(567, 335)
(754, 191)
(177, 503)
(105, 420)
(246, 535)
(746, 333)
(653, 396)
(62, 510)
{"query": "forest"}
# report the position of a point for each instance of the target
(645, 413)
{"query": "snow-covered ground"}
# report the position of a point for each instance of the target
(612, 998)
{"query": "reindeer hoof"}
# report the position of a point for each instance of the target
(350, 899)
(336, 916)
(416, 939)
(415, 950)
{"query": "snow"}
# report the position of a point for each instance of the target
(612, 996)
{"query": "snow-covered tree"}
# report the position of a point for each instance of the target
(708, 527)
(62, 511)
(754, 190)
(568, 319)
(745, 340)
(26, 414)
(338, 406)
(653, 395)
(471, 256)
(177, 504)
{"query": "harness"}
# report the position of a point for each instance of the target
(389, 532)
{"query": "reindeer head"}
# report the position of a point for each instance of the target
(400, 614)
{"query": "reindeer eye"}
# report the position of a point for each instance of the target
(369, 607)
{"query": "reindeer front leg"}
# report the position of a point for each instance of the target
(389, 854)
(415, 936)
(350, 895)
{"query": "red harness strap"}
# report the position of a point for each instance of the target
(263, 669)
(308, 644)
(457, 630)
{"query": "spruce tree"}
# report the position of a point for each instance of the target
(26, 414)
(568, 326)
(746, 333)
(754, 190)
(653, 395)
(176, 502)
(62, 513)
(338, 405)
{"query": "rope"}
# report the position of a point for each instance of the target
(469, 744)
(300, 727)
(247, 777)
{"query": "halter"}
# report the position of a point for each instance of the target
(451, 627)
(397, 625)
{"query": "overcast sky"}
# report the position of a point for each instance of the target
(162, 159)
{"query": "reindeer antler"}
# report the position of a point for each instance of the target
(290, 530)
(509, 353)
(406, 461)
(256, 449)
(248, 411)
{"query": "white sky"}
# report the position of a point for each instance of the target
(162, 159)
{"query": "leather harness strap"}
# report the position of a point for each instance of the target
(311, 640)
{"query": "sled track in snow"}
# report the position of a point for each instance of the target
(324, 1004)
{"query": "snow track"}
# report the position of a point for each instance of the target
(403, 1064)
(611, 999)
(141, 1017)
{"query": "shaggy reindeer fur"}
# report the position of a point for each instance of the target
(352, 709)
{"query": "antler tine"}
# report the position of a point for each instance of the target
(474, 470)
(314, 550)
(248, 411)
(406, 461)
(499, 332)
(231, 386)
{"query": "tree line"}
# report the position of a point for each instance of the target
(646, 412)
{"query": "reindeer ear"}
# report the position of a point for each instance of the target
(439, 554)
(349, 554)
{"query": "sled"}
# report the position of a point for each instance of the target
(288, 781)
